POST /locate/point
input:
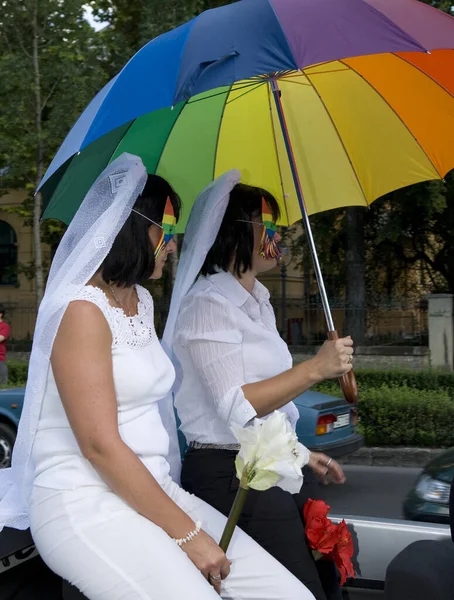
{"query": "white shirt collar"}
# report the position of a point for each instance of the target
(232, 289)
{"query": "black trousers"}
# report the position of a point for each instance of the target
(272, 518)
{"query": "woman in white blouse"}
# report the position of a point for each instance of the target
(104, 511)
(234, 367)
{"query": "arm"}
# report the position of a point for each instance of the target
(330, 362)
(82, 365)
(5, 332)
(208, 331)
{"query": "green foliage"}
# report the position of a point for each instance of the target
(69, 77)
(17, 373)
(403, 416)
(432, 381)
(403, 408)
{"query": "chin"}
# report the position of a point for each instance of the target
(157, 273)
(266, 265)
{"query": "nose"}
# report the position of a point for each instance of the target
(171, 246)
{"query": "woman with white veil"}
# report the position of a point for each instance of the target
(233, 366)
(97, 442)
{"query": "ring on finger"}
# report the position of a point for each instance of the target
(215, 577)
(329, 462)
(350, 359)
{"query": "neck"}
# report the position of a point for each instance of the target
(124, 294)
(247, 280)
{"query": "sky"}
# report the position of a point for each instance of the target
(89, 17)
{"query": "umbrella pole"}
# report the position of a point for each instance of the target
(348, 382)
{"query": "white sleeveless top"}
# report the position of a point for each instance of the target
(143, 374)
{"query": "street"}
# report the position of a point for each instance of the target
(371, 491)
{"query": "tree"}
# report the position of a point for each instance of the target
(414, 228)
(355, 274)
(48, 73)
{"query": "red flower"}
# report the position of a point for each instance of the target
(324, 540)
(343, 552)
(333, 542)
(321, 533)
(315, 514)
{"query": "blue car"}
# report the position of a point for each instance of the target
(11, 402)
(327, 424)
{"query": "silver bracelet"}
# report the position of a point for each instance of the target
(191, 535)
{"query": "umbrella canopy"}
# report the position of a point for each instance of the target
(368, 109)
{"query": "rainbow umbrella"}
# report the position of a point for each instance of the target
(324, 103)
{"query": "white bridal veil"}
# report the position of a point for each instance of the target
(201, 231)
(81, 252)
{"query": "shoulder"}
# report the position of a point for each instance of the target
(205, 311)
(204, 295)
(144, 295)
(87, 311)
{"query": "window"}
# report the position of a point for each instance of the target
(8, 255)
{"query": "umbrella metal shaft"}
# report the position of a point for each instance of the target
(307, 225)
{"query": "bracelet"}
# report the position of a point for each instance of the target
(191, 535)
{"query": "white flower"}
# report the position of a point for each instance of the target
(270, 454)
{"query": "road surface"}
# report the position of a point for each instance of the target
(371, 491)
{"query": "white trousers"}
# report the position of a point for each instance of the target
(93, 539)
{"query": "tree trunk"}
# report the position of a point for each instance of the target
(307, 265)
(355, 267)
(39, 277)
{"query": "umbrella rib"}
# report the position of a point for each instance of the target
(423, 72)
(397, 115)
(251, 89)
(168, 137)
(339, 138)
(209, 97)
(219, 131)
(121, 140)
(277, 154)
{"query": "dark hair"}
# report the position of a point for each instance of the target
(131, 258)
(236, 239)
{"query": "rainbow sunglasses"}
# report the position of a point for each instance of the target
(168, 226)
(269, 248)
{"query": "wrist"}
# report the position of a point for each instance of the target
(190, 535)
(313, 371)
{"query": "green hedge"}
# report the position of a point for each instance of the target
(418, 380)
(17, 373)
(392, 415)
(402, 416)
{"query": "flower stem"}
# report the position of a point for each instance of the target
(234, 515)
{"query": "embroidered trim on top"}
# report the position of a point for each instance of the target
(137, 331)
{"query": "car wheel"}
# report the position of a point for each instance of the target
(7, 439)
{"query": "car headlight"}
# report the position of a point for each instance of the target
(432, 490)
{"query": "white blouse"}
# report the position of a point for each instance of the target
(225, 338)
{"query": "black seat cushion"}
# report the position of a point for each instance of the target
(422, 571)
(72, 593)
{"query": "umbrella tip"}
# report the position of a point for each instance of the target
(428, 52)
(78, 153)
(172, 107)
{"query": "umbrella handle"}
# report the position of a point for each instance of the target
(348, 381)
